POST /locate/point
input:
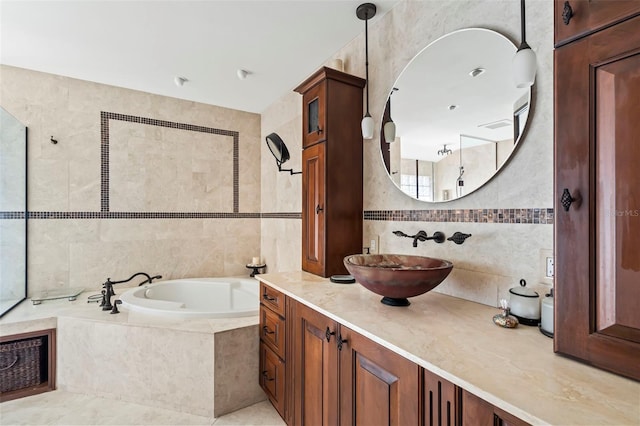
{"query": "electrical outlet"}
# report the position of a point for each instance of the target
(374, 244)
(546, 267)
(549, 270)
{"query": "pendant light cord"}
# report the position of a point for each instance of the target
(366, 57)
(523, 31)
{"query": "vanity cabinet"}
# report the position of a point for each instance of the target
(272, 375)
(577, 18)
(331, 170)
(597, 192)
(478, 412)
(342, 377)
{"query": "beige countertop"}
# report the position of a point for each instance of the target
(513, 369)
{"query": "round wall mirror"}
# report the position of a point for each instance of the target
(458, 116)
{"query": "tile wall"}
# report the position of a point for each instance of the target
(137, 182)
(510, 219)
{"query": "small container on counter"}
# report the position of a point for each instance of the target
(525, 304)
(546, 322)
(504, 319)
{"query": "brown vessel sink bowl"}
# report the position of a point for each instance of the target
(397, 276)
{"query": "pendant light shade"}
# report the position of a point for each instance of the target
(367, 127)
(365, 12)
(524, 67)
(524, 62)
(389, 131)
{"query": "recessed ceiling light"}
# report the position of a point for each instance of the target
(476, 72)
(179, 81)
(242, 74)
(452, 107)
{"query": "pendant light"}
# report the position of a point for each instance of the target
(365, 12)
(389, 127)
(524, 62)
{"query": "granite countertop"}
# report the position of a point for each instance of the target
(513, 369)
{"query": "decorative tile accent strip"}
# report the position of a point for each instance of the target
(535, 215)
(141, 215)
(11, 215)
(283, 215)
(104, 151)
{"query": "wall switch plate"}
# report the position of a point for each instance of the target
(546, 266)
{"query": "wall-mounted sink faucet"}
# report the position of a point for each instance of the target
(437, 236)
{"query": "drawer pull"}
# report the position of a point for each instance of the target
(266, 376)
(265, 296)
(266, 330)
(319, 209)
(328, 334)
(567, 13)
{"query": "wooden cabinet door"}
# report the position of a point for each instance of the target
(314, 116)
(589, 15)
(597, 158)
(316, 368)
(272, 377)
(478, 412)
(439, 401)
(313, 209)
(377, 386)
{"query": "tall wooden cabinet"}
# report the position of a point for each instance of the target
(597, 185)
(331, 170)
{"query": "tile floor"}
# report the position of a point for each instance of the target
(65, 408)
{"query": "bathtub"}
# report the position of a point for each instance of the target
(195, 298)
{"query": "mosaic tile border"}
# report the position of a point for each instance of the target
(531, 215)
(104, 152)
(147, 215)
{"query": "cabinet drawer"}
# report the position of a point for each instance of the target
(272, 330)
(272, 298)
(272, 377)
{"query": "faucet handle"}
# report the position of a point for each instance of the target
(458, 237)
(115, 306)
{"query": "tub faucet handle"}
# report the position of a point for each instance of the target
(115, 306)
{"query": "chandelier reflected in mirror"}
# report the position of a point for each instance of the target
(444, 150)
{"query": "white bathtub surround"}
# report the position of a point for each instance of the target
(204, 367)
(195, 298)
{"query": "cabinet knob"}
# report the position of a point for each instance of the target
(567, 199)
(266, 376)
(319, 209)
(567, 13)
(266, 330)
(319, 130)
(340, 342)
(328, 334)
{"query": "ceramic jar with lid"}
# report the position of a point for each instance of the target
(546, 323)
(525, 304)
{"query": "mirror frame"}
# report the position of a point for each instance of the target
(386, 116)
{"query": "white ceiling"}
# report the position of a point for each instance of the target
(144, 45)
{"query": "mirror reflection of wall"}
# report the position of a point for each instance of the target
(13, 205)
(458, 116)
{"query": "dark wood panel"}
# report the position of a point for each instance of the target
(617, 87)
(272, 377)
(377, 386)
(589, 16)
(272, 298)
(316, 369)
(588, 99)
(475, 411)
(439, 401)
(272, 330)
(313, 209)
